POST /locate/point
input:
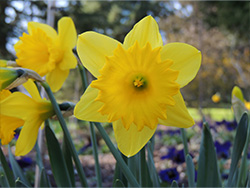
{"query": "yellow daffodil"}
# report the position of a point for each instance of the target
(48, 53)
(247, 105)
(239, 105)
(138, 83)
(32, 111)
(216, 98)
(7, 124)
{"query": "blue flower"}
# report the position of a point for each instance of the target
(231, 125)
(173, 132)
(24, 162)
(169, 175)
(223, 150)
(177, 156)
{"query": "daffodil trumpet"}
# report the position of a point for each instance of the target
(138, 83)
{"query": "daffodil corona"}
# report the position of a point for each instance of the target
(138, 83)
(48, 53)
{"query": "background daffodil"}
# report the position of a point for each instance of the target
(48, 53)
(138, 83)
(31, 111)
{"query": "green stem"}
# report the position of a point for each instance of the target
(184, 140)
(92, 130)
(67, 135)
(143, 168)
(126, 171)
(95, 152)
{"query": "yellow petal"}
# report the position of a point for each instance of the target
(30, 86)
(28, 136)
(67, 33)
(178, 115)
(46, 28)
(186, 58)
(56, 78)
(144, 31)
(7, 127)
(69, 60)
(238, 93)
(92, 49)
(131, 141)
(18, 105)
(87, 108)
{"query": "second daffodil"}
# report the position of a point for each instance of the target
(18, 109)
(48, 53)
(138, 83)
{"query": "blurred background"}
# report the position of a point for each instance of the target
(219, 29)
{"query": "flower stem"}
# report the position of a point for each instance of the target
(67, 135)
(92, 130)
(126, 171)
(184, 140)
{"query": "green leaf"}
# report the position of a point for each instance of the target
(3, 181)
(18, 173)
(174, 184)
(118, 173)
(7, 171)
(208, 173)
(190, 171)
(57, 160)
(118, 183)
(151, 166)
(68, 159)
(20, 183)
(44, 181)
(239, 143)
(244, 164)
(145, 179)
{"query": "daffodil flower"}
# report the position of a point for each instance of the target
(7, 124)
(48, 53)
(29, 111)
(138, 83)
(216, 98)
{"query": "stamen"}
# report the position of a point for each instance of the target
(138, 82)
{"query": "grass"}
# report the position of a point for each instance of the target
(216, 114)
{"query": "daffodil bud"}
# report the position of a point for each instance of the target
(238, 103)
(13, 77)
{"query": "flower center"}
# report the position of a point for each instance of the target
(136, 86)
(139, 82)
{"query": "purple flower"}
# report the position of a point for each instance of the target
(177, 156)
(24, 162)
(173, 132)
(221, 122)
(169, 175)
(223, 150)
(231, 125)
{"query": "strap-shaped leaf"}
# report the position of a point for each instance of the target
(57, 160)
(7, 171)
(174, 184)
(18, 173)
(208, 173)
(190, 171)
(239, 143)
(151, 166)
(44, 181)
